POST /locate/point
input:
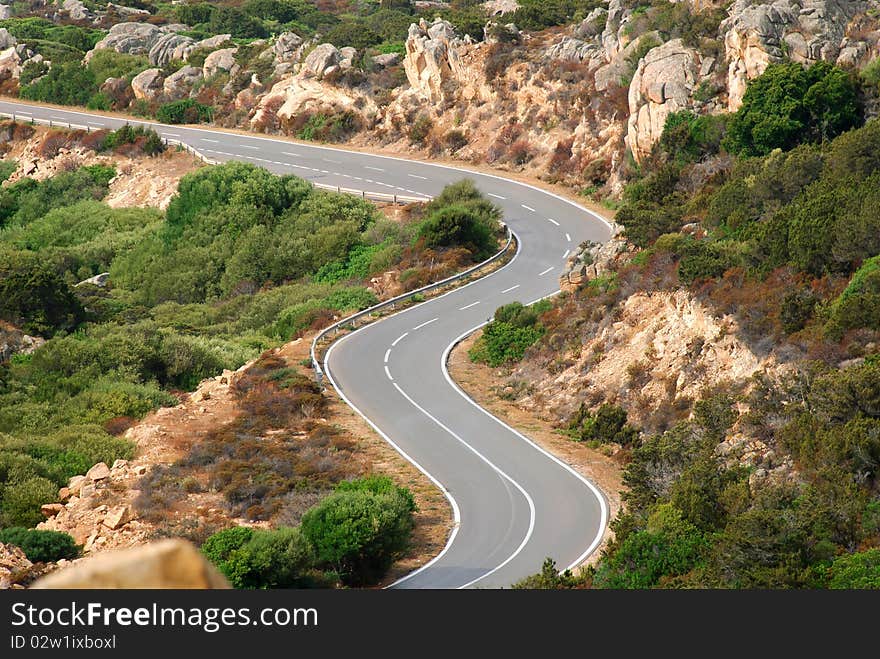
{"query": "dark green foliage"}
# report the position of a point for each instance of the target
(107, 63)
(860, 570)
(33, 296)
(280, 558)
(39, 29)
(549, 578)
(67, 83)
(513, 329)
(359, 530)
(357, 34)
(147, 138)
(797, 309)
(230, 20)
(461, 215)
(541, 14)
(32, 70)
(186, 111)
(194, 13)
(789, 104)
(7, 169)
(688, 137)
(20, 500)
(40, 546)
(608, 424)
(701, 259)
(321, 127)
(859, 304)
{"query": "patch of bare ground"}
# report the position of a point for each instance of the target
(482, 383)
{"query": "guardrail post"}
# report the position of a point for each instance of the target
(363, 194)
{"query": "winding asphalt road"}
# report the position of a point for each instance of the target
(514, 503)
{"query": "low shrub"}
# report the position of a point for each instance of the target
(40, 546)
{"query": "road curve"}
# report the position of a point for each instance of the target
(514, 503)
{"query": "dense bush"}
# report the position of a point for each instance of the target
(360, 529)
(859, 304)
(67, 83)
(513, 329)
(688, 137)
(255, 558)
(608, 424)
(186, 111)
(107, 63)
(461, 215)
(789, 104)
(40, 546)
(540, 14)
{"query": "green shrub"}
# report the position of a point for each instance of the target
(513, 329)
(281, 558)
(20, 501)
(67, 83)
(361, 529)
(789, 104)
(186, 111)
(107, 63)
(859, 304)
(40, 546)
(7, 169)
(860, 570)
(219, 547)
(608, 424)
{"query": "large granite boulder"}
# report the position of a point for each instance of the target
(148, 84)
(170, 47)
(180, 83)
(324, 57)
(219, 61)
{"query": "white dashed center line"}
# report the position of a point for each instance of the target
(292, 155)
(335, 162)
(204, 139)
(375, 169)
(248, 146)
(540, 274)
(512, 288)
(568, 237)
(497, 196)
(399, 339)
(468, 306)
(552, 221)
(425, 323)
(565, 256)
(528, 208)
(424, 178)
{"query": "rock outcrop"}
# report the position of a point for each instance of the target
(219, 61)
(131, 38)
(433, 63)
(148, 84)
(168, 563)
(180, 83)
(14, 566)
(15, 342)
(170, 47)
(322, 60)
(663, 83)
(758, 34)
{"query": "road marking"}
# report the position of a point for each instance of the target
(512, 288)
(292, 155)
(603, 506)
(335, 162)
(528, 208)
(60, 118)
(399, 339)
(425, 323)
(540, 274)
(568, 238)
(424, 178)
(95, 123)
(247, 146)
(497, 196)
(387, 355)
(388, 373)
(550, 219)
(468, 306)
(565, 256)
(377, 169)
(496, 469)
(205, 139)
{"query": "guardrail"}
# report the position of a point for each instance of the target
(363, 194)
(349, 320)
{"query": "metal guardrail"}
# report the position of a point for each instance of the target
(363, 194)
(316, 364)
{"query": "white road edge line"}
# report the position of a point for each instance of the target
(468, 306)
(495, 468)
(552, 221)
(388, 373)
(423, 324)
(603, 505)
(541, 274)
(399, 339)
(512, 288)
(387, 355)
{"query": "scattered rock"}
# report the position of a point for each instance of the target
(148, 84)
(386, 60)
(51, 509)
(131, 38)
(97, 280)
(117, 516)
(180, 83)
(75, 484)
(219, 60)
(287, 47)
(77, 10)
(14, 566)
(98, 472)
(320, 59)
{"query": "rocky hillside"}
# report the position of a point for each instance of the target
(568, 103)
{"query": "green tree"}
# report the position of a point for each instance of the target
(40, 546)
(67, 83)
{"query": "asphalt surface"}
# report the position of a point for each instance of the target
(515, 504)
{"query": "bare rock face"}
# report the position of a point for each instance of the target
(131, 38)
(171, 47)
(433, 62)
(219, 60)
(14, 342)
(180, 83)
(386, 60)
(14, 565)
(164, 564)
(306, 94)
(757, 34)
(98, 472)
(662, 84)
(287, 47)
(321, 60)
(77, 11)
(6, 39)
(213, 42)
(5, 12)
(614, 37)
(148, 84)
(122, 10)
